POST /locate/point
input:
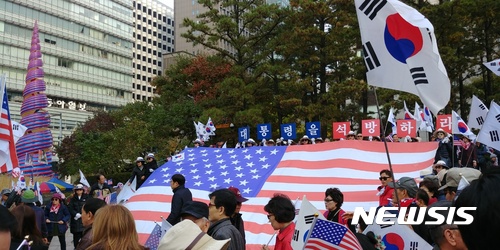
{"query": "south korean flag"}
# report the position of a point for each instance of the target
(400, 51)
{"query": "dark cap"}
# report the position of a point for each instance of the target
(406, 183)
(197, 209)
(237, 192)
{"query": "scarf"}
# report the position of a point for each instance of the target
(465, 145)
(55, 208)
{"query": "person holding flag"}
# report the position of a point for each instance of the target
(467, 156)
(281, 213)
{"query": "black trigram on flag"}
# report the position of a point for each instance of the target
(371, 58)
(494, 135)
(498, 118)
(414, 245)
(309, 218)
(493, 64)
(418, 75)
(480, 120)
(482, 107)
(296, 235)
(372, 7)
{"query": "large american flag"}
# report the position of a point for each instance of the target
(8, 156)
(259, 172)
(331, 235)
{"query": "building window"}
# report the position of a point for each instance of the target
(144, 78)
(154, 71)
(154, 52)
(154, 62)
(138, 77)
(154, 33)
(154, 24)
(149, 89)
(143, 68)
(138, 66)
(143, 58)
(149, 70)
(154, 44)
(168, 22)
(149, 22)
(159, 64)
(149, 60)
(138, 87)
(149, 40)
(138, 36)
(149, 51)
(133, 96)
(154, 14)
(138, 56)
(149, 98)
(138, 6)
(149, 79)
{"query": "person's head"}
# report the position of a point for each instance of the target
(89, 209)
(101, 179)
(177, 181)
(440, 134)
(114, 228)
(139, 161)
(465, 139)
(26, 223)
(430, 186)
(150, 157)
(422, 198)
(482, 194)
(7, 227)
(197, 212)
(239, 198)
(281, 211)
(5, 194)
(197, 143)
(446, 236)
(222, 204)
(57, 199)
(186, 235)
(453, 177)
(385, 177)
(350, 136)
(28, 197)
(493, 157)
(305, 140)
(359, 137)
(333, 199)
(395, 138)
(270, 143)
(250, 143)
(318, 140)
(78, 189)
(439, 166)
(405, 187)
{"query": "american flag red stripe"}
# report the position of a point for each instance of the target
(352, 166)
(8, 156)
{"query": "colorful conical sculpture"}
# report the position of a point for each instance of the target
(34, 149)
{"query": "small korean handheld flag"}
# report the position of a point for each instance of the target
(458, 126)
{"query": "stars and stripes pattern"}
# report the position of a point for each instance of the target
(8, 155)
(260, 172)
(331, 235)
(154, 239)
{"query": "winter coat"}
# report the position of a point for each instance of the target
(138, 174)
(75, 207)
(223, 230)
(40, 219)
(105, 190)
(62, 214)
(385, 195)
(181, 196)
(86, 239)
(153, 165)
(237, 222)
(444, 151)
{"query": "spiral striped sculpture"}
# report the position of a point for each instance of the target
(34, 149)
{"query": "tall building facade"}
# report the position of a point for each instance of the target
(154, 36)
(87, 56)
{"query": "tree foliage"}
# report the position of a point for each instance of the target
(279, 65)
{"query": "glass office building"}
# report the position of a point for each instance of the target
(87, 55)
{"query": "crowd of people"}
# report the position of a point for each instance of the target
(219, 224)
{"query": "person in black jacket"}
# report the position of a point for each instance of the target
(140, 172)
(236, 218)
(445, 147)
(75, 209)
(151, 162)
(181, 196)
(101, 189)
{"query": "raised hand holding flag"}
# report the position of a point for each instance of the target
(401, 53)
